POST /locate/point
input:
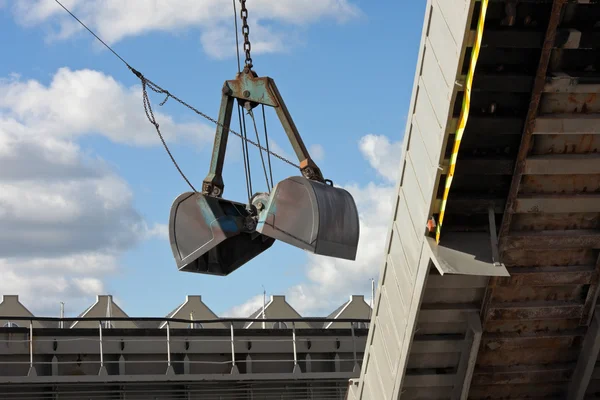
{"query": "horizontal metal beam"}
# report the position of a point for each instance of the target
(429, 380)
(548, 276)
(456, 282)
(564, 164)
(482, 166)
(531, 310)
(459, 204)
(564, 239)
(567, 124)
(182, 378)
(564, 83)
(586, 362)
(578, 203)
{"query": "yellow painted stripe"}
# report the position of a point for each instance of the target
(464, 116)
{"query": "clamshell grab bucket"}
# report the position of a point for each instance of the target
(209, 235)
(313, 216)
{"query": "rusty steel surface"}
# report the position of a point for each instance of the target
(531, 152)
(536, 94)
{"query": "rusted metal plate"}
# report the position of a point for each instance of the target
(532, 111)
(571, 239)
(528, 356)
(567, 124)
(542, 258)
(564, 83)
(533, 342)
(546, 391)
(538, 293)
(557, 103)
(575, 203)
(514, 375)
(531, 310)
(564, 184)
(533, 326)
(547, 276)
(573, 164)
(566, 144)
(562, 221)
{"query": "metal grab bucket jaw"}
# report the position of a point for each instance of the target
(208, 235)
(313, 216)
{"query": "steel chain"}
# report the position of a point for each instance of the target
(157, 89)
(246, 32)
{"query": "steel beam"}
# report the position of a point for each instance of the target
(538, 87)
(563, 239)
(578, 203)
(586, 362)
(570, 124)
(468, 358)
(566, 164)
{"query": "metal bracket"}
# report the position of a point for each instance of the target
(494, 238)
(251, 91)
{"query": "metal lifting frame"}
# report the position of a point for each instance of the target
(250, 91)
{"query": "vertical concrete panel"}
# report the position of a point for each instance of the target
(383, 367)
(410, 245)
(435, 86)
(426, 165)
(441, 42)
(453, 12)
(398, 268)
(372, 383)
(429, 127)
(414, 197)
(391, 328)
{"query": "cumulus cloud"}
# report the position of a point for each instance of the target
(382, 155)
(115, 20)
(65, 215)
(84, 102)
(245, 309)
(330, 280)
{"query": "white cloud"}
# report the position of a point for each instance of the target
(383, 156)
(84, 102)
(245, 309)
(330, 280)
(317, 152)
(65, 216)
(114, 20)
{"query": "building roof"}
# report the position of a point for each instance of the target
(103, 307)
(192, 305)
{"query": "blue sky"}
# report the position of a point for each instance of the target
(88, 187)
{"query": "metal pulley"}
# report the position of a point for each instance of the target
(211, 235)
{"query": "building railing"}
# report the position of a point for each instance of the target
(179, 350)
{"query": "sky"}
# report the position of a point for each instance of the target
(86, 186)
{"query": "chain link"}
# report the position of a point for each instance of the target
(246, 32)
